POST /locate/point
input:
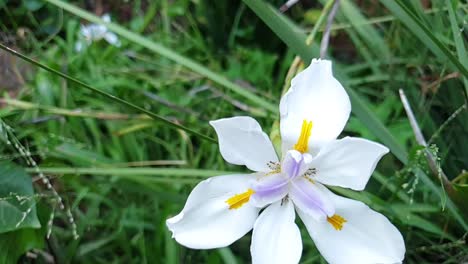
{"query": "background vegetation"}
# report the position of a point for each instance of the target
(120, 172)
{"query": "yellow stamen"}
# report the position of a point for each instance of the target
(336, 221)
(302, 144)
(309, 179)
(275, 171)
(238, 200)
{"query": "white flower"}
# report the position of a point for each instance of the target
(222, 209)
(95, 32)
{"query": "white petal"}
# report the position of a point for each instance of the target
(112, 39)
(312, 198)
(106, 18)
(242, 142)
(276, 238)
(366, 237)
(79, 46)
(315, 95)
(206, 220)
(85, 31)
(348, 162)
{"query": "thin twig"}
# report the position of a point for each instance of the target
(68, 112)
(311, 37)
(412, 119)
(445, 124)
(422, 141)
(326, 35)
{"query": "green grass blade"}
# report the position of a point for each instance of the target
(168, 53)
(284, 29)
(131, 172)
(423, 32)
(367, 32)
(227, 255)
(452, 208)
(368, 118)
(107, 95)
(457, 36)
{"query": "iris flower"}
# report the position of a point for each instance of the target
(222, 209)
(95, 32)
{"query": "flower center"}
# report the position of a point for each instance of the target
(275, 168)
(336, 221)
(302, 144)
(238, 200)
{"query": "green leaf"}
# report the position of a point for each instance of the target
(33, 5)
(16, 243)
(421, 223)
(17, 203)
(168, 53)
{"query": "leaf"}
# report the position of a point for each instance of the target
(17, 203)
(421, 223)
(33, 5)
(16, 243)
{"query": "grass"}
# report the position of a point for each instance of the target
(122, 174)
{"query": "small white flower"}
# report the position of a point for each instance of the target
(222, 209)
(95, 32)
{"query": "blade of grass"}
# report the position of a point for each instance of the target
(285, 29)
(131, 172)
(452, 208)
(369, 119)
(423, 32)
(457, 36)
(168, 53)
(227, 255)
(107, 95)
(70, 112)
(366, 32)
(384, 19)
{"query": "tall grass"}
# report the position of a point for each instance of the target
(121, 173)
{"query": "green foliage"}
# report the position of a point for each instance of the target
(17, 201)
(18, 218)
(122, 174)
(14, 244)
